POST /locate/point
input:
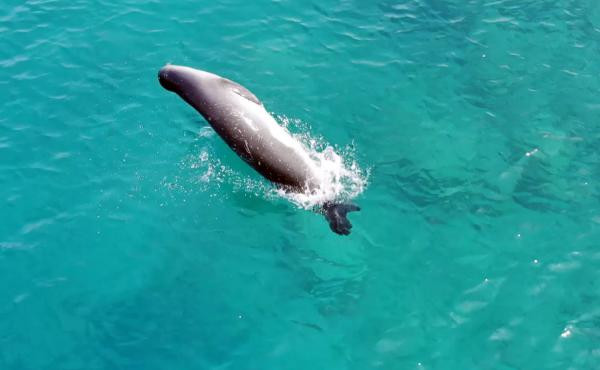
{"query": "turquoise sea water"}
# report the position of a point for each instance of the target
(133, 238)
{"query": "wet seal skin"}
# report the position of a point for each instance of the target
(241, 120)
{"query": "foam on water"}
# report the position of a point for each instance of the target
(339, 176)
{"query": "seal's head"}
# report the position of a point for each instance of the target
(180, 79)
(165, 77)
(198, 88)
(201, 89)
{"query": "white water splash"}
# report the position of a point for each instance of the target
(210, 174)
(339, 176)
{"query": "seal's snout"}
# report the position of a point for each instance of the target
(165, 79)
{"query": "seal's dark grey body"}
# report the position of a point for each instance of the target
(242, 121)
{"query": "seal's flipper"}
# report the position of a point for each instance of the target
(335, 213)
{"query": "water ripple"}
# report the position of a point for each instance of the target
(124, 246)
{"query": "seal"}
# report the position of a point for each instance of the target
(242, 121)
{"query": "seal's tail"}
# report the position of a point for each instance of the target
(335, 213)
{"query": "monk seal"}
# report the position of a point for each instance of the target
(242, 121)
